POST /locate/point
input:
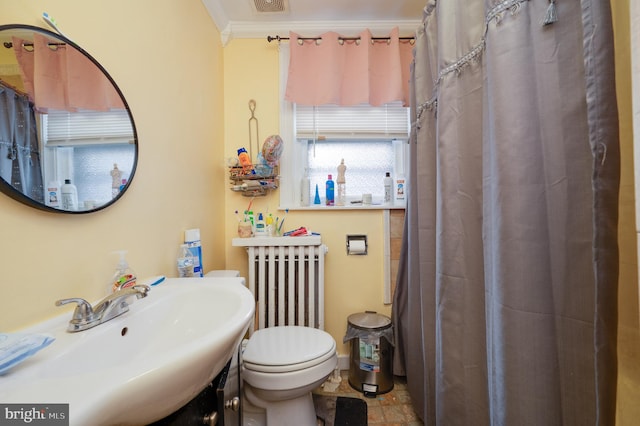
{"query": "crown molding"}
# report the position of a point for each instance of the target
(217, 13)
(253, 29)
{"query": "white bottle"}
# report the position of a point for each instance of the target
(69, 195)
(52, 194)
(400, 188)
(260, 227)
(304, 189)
(192, 240)
(341, 183)
(185, 262)
(388, 189)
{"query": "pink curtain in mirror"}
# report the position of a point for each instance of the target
(349, 72)
(62, 78)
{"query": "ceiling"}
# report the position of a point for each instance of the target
(260, 18)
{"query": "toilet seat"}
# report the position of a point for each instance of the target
(287, 349)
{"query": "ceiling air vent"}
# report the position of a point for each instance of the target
(270, 6)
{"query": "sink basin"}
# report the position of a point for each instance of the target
(143, 365)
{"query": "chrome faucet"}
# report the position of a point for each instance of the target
(115, 304)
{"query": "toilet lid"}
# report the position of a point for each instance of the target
(287, 347)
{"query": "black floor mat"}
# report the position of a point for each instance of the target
(341, 411)
(351, 412)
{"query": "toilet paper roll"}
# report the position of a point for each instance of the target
(357, 247)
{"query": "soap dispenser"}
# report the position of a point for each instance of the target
(124, 276)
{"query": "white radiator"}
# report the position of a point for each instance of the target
(286, 275)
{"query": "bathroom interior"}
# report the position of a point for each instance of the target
(187, 83)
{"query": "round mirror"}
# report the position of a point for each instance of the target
(68, 142)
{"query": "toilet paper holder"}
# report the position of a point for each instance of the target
(357, 245)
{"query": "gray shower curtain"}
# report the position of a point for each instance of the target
(20, 164)
(505, 309)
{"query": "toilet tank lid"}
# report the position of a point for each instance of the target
(287, 345)
(223, 273)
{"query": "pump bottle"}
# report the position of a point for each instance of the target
(124, 277)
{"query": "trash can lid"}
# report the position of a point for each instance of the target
(369, 320)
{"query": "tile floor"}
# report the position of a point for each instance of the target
(394, 408)
(390, 409)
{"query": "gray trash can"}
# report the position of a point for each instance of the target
(370, 365)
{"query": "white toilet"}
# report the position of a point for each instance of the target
(280, 366)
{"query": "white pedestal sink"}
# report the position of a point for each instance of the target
(143, 365)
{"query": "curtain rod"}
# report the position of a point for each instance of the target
(278, 38)
(9, 45)
(15, 89)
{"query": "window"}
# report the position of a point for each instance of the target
(366, 161)
(371, 140)
(84, 146)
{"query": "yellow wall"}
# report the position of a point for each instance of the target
(628, 312)
(166, 57)
(628, 410)
(352, 283)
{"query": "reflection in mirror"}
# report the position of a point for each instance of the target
(67, 139)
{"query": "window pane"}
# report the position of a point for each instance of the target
(92, 169)
(366, 161)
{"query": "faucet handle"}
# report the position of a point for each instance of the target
(83, 311)
(142, 290)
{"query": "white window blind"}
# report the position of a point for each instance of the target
(332, 121)
(328, 133)
(64, 128)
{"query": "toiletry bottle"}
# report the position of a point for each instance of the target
(245, 160)
(69, 194)
(52, 195)
(124, 276)
(330, 190)
(342, 184)
(316, 199)
(260, 227)
(388, 189)
(185, 262)
(304, 189)
(400, 188)
(192, 240)
(269, 222)
(116, 177)
(249, 217)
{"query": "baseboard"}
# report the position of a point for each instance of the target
(343, 362)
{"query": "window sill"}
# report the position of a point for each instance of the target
(321, 207)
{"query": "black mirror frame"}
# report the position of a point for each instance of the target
(13, 193)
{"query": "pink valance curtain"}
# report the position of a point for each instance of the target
(62, 78)
(349, 72)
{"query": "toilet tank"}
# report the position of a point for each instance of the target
(223, 273)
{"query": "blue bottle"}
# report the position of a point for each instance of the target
(316, 200)
(330, 193)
